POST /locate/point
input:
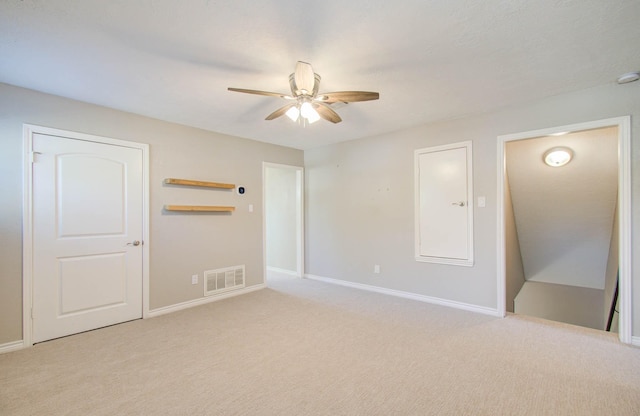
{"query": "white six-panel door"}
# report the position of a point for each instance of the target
(87, 235)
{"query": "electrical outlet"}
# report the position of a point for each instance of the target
(194, 279)
(376, 268)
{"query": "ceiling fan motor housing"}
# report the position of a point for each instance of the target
(297, 92)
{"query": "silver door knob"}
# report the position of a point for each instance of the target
(135, 243)
(460, 204)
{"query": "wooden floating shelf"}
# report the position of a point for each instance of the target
(198, 208)
(189, 182)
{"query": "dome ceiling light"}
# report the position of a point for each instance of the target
(558, 156)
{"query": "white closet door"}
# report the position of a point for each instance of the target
(444, 210)
(87, 235)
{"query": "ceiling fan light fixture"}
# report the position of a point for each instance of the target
(306, 109)
(313, 116)
(293, 113)
(558, 156)
(308, 112)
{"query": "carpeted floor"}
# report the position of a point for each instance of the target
(304, 347)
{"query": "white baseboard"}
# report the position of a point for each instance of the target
(279, 271)
(635, 341)
(408, 295)
(18, 345)
(201, 301)
(11, 346)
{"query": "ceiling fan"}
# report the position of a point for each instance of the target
(305, 101)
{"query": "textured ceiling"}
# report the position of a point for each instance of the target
(430, 60)
(564, 215)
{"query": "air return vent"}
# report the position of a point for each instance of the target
(223, 280)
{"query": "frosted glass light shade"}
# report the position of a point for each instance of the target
(293, 113)
(313, 116)
(306, 109)
(558, 156)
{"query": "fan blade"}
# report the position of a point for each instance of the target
(256, 92)
(327, 113)
(280, 111)
(347, 96)
(304, 77)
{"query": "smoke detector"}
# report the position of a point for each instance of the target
(628, 77)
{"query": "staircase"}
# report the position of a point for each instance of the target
(570, 304)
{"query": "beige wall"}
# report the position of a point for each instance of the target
(181, 245)
(514, 270)
(570, 304)
(612, 267)
(360, 212)
(360, 198)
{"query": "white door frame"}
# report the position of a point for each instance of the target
(299, 217)
(29, 131)
(624, 211)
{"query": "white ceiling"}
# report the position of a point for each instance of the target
(430, 60)
(564, 215)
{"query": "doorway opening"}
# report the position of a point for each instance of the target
(283, 190)
(564, 231)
